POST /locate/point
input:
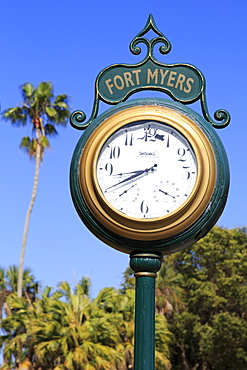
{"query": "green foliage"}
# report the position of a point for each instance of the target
(84, 286)
(66, 330)
(12, 277)
(8, 285)
(162, 341)
(27, 91)
(201, 322)
(50, 130)
(129, 280)
(17, 116)
(211, 331)
(29, 146)
(72, 334)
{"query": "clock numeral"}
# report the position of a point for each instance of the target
(149, 133)
(128, 139)
(186, 175)
(109, 168)
(115, 152)
(181, 153)
(144, 207)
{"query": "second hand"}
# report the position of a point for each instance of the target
(165, 192)
(125, 191)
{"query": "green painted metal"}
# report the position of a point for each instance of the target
(183, 82)
(187, 237)
(145, 267)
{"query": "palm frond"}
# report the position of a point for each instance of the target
(27, 90)
(2, 278)
(17, 116)
(26, 144)
(51, 112)
(50, 130)
(44, 142)
(84, 286)
(44, 90)
(65, 289)
(62, 98)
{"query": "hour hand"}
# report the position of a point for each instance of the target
(138, 173)
(135, 174)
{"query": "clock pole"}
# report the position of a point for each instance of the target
(145, 266)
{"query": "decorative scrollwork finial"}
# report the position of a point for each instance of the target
(150, 25)
(77, 118)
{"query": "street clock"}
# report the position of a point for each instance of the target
(149, 174)
(149, 177)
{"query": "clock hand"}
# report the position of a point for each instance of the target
(138, 173)
(165, 192)
(127, 173)
(125, 191)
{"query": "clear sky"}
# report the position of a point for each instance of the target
(69, 43)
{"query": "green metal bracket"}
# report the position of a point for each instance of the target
(183, 82)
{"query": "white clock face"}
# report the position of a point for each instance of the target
(146, 170)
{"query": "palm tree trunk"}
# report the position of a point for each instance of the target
(30, 208)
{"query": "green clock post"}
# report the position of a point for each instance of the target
(149, 177)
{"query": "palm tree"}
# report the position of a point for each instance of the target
(43, 111)
(57, 332)
(8, 285)
(64, 330)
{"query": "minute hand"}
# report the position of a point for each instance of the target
(127, 173)
(137, 174)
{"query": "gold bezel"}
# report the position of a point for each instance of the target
(156, 228)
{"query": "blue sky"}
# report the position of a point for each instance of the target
(69, 43)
